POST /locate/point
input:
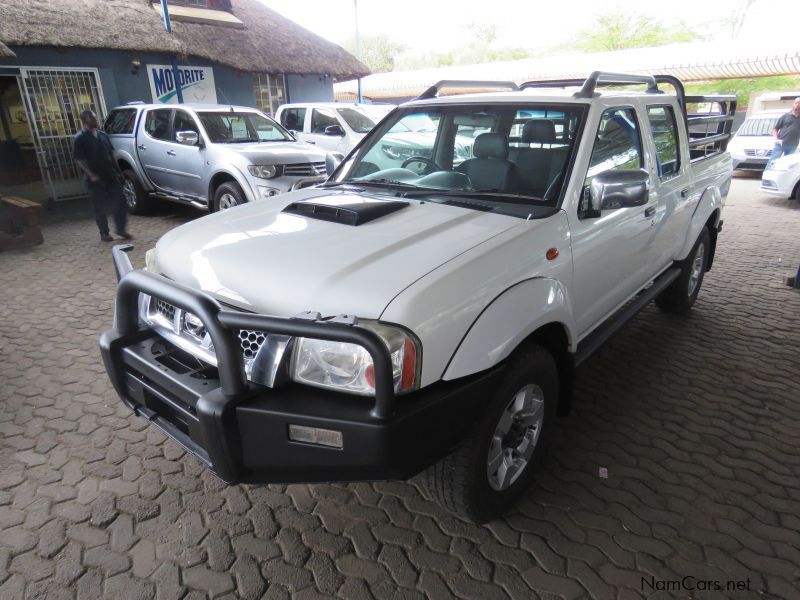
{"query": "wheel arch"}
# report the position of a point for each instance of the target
(221, 177)
(536, 311)
(712, 224)
(706, 214)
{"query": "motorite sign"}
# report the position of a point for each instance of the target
(197, 84)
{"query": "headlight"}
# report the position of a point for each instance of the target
(265, 171)
(348, 367)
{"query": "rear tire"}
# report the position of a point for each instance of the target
(228, 195)
(136, 198)
(485, 475)
(682, 293)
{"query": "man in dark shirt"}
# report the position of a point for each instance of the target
(93, 152)
(786, 133)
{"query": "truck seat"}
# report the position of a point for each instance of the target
(537, 167)
(490, 168)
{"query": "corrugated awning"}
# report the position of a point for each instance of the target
(700, 61)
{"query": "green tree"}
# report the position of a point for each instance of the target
(744, 88)
(617, 31)
(378, 52)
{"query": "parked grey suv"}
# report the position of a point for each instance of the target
(210, 156)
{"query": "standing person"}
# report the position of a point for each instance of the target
(786, 133)
(93, 152)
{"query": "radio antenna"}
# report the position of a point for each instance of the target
(228, 102)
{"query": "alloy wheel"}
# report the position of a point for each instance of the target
(129, 192)
(515, 437)
(697, 267)
(227, 201)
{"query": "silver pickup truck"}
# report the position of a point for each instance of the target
(210, 156)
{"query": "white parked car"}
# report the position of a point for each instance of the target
(401, 320)
(338, 127)
(331, 126)
(752, 144)
(782, 179)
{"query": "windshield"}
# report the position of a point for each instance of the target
(356, 120)
(238, 127)
(500, 153)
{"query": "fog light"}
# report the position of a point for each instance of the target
(315, 435)
(267, 192)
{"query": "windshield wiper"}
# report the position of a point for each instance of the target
(374, 183)
(507, 197)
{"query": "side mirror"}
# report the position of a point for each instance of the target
(187, 138)
(615, 188)
(334, 130)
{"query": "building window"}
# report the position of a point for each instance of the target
(270, 91)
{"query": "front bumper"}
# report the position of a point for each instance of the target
(240, 430)
(778, 183)
(749, 163)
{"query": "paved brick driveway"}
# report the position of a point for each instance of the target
(696, 419)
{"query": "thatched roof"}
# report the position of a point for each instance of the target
(5, 51)
(268, 43)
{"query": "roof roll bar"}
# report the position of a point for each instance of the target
(434, 90)
(597, 78)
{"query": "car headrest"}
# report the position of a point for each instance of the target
(539, 131)
(490, 145)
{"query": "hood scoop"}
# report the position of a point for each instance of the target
(356, 213)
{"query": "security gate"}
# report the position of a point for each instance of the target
(54, 100)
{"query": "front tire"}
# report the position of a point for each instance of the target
(136, 198)
(228, 195)
(488, 472)
(682, 293)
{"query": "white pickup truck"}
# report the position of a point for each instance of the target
(398, 321)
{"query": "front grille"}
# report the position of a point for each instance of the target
(305, 169)
(752, 152)
(251, 341)
(165, 309)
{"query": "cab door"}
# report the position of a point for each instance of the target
(673, 186)
(319, 120)
(294, 119)
(185, 164)
(152, 145)
(610, 251)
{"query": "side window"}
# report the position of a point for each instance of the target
(618, 143)
(665, 135)
(185, 122)
(320, 120)
(293, 118)
(120, 121)
(156, 123)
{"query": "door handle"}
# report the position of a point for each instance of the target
(649, 212)
(171, 152)
(685, 193)
(311, 141)
(142, 147)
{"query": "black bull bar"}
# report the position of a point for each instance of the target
(215, 409)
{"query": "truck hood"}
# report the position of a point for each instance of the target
(258, 258)
(277, 153)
